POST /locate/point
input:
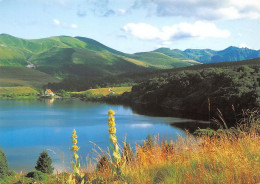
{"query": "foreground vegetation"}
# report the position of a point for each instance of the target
(222, 156)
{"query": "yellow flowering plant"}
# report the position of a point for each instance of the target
(75, 148)
(75, 177)
(117, 163)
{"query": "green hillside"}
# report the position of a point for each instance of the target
(21, 76)
(131, 78)
(65, 56)
(159, 60)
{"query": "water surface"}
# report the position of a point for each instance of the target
(28, 127)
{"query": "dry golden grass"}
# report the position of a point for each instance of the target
(222, 158)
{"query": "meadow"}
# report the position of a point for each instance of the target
(106, 91)
(18, 92)
(211, 156)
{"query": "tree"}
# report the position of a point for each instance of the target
(44, 163)
(3, 163)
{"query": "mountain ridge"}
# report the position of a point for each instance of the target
(230, 53)
(65, 56)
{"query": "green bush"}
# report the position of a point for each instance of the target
(44, 163)
(3, 164)
(37, 175)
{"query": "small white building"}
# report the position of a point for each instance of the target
(48, 92)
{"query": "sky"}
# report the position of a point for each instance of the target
(138, 25)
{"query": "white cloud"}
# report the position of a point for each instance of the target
(202, 9)
(74, 26)
(121, 11)
(166, 34)
(57, 22)
(142, 30)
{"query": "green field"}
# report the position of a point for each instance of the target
(106, 91)
(18, 92)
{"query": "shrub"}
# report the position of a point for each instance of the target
(3, 163)
(37, 175)
(44, 163)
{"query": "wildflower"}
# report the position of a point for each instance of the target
(116, 165)
(111, 112)
(74, 136)
(112, 130)
(74, 131)
(74, 141)
(111, 124)
(75, 148)
(111, 118)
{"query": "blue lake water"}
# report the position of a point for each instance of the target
(28, 127)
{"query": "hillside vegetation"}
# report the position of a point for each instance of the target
(131, 78)
(202, 91)
(78, 57)
(21, 76)
(84, 59)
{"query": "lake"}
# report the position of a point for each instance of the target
(28, 127)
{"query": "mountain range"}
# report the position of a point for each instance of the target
(211, 56)
(63, 57)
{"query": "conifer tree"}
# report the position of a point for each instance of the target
(3, 163)
(44, 163)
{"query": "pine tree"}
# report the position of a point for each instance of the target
(3, 163)
(44, 163)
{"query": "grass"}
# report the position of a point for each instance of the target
(159, 60)
(18, 92)
(105, 91)
(21, 76)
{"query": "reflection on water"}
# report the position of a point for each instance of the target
(165, 112)
(49, 101)
(28, 127)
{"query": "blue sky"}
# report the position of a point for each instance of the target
(138, 25)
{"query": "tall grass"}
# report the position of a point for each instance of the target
(226, 156)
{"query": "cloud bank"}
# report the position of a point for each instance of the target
(202, 9)
(167, 34)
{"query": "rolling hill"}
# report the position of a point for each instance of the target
(64, 57)
(78, 57)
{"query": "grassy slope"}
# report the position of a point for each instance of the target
(63, 55)
(159, 60)
(105, 91)
(20, 90)
(21, 76)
